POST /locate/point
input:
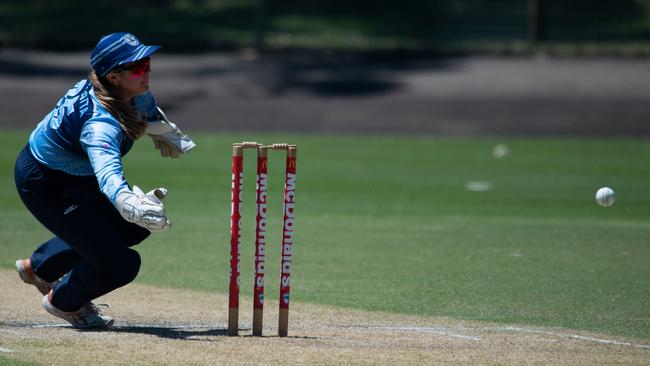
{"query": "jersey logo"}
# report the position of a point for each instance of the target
(70, 209)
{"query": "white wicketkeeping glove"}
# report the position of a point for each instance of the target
(157, 195)
(167, 150)
(168, 138)
(143, 209)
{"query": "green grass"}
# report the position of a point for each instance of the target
(6, 361)
(385, 223)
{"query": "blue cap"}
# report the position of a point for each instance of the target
(118, 49)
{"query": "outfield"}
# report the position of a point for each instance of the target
(387, 224)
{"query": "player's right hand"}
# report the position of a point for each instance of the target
(167, 150)
(143, 209)
(167, 137)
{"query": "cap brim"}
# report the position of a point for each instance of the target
(140, 53)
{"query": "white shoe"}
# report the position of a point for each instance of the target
(88, 317)
(24, 268)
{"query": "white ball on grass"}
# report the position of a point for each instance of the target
(605, 196)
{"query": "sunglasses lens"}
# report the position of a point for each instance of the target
(141, 68)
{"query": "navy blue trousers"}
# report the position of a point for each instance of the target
(91, 247)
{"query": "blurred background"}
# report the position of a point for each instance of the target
(448, 67)
(506, 26)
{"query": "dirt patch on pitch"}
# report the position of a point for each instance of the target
(157, 326)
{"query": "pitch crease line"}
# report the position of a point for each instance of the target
(584, 338)
(417, 330)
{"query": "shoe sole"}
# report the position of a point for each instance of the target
(47, 305)
(27, 275)
(107, 325)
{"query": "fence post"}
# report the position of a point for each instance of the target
(533, 21)
(260, 23)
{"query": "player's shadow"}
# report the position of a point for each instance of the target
(171, 332)
(182, 333)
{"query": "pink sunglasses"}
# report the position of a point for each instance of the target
(138, 68)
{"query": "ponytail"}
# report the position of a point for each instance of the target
(131, 121)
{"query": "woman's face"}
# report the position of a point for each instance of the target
(132, 79)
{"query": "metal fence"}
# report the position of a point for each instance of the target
(461, 20)
(592, 20)
(204, 24)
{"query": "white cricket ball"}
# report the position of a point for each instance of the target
(605, 196)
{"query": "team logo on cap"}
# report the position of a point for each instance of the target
(131, 40)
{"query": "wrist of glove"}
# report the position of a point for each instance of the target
(145, 210)
(168, 138)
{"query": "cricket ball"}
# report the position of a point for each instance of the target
(605, 196)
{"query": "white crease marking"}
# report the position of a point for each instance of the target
(406, 328)
(65, 325)
(575, 336)
(420, 330)
(607, 341)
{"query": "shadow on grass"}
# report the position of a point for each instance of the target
(323, 74)
(190, 332)
(186, 332)
(10, 66)
(172, 332)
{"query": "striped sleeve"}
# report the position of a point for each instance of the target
(101, 141)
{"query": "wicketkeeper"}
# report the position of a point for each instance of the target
(70, 178)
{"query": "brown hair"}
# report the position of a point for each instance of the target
(131, 121)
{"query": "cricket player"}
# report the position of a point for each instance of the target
(70, 177)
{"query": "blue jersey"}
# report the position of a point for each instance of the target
(81, 137)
